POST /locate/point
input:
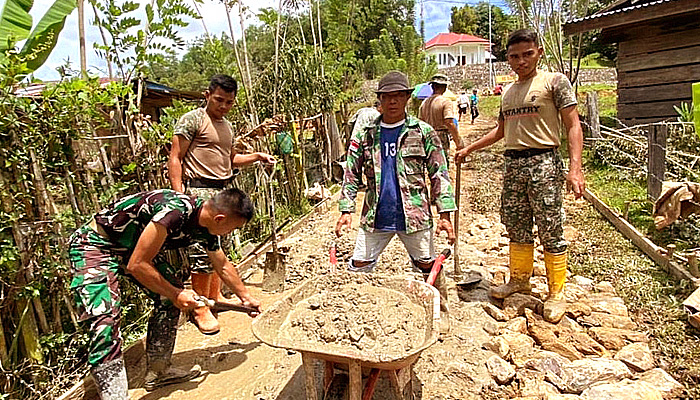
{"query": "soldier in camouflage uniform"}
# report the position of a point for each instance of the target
(127, 238)
(532, 109)
(394, 152)
(202, 160)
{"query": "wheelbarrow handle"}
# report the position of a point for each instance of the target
(333, 258)
(437, 266)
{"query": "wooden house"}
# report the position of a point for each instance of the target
(658, 54)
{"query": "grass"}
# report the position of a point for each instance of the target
(596, 60)
(607, 99)
(653, 298)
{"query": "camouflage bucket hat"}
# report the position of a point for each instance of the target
(393, 81)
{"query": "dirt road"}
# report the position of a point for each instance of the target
(237, 366)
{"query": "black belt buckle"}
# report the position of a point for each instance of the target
(527, 152)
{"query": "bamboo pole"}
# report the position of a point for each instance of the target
(81, 38)
(108, 59)
(246, 89)
(253, 109)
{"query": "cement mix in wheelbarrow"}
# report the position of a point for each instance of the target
(378, 321)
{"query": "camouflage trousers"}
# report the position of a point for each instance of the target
(444, 136)
(95, 267)
(196, 255)
(532, 191)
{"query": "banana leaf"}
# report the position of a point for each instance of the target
(44, 36)
(15, 23)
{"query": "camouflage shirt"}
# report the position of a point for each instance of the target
(419, 151)
(125, 219)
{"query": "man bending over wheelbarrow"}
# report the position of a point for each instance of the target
(393, 152)
(126, 238)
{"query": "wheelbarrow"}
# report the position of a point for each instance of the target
(267, 327)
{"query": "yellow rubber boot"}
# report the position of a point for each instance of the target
(521, 266)
(555, 305)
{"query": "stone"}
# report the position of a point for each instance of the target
(561, 339)
(492, 328)
(563, 397)
(547, 363)
(571, 234)
(517, 325)
(485, 224)
(522, 347)
(607, 320)
(584, 373)
(578, 309)
(574, 292)
(515, 304)
(583, 282)
(501, 371)
(539, 270)
(605, 287)
(532, 384)
(494, 312)
(615, 339)
(569, 323)
(663, 382)
(625, 389)
(637, 356)
(606, 303)
(499, 346)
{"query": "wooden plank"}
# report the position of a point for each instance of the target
(355, 375)
(685, 73)
(309, 377)
(634, 16)
(656, 160)
(659, 59)
(651, 28)
(672, 38)
(643, 121)
(648, 110)
(672, 91)
(654, 252)
(592, 110)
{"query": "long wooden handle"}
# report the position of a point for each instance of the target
(458, 195)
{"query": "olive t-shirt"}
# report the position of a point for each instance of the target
(211, 143)
(530, 110)
(435, 110)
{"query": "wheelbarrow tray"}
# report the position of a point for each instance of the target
(266, 326)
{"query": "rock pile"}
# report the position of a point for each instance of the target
(593, 353)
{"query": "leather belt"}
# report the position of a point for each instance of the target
(208, 183)
(527, 152)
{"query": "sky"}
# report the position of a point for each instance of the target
(436, 14)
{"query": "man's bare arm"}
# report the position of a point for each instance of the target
(574, 133)
(177, 154)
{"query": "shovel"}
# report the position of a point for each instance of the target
(275, 271)
(471, 278)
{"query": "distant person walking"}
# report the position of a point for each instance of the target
(438, 112)
(474, 102)
(463, 104)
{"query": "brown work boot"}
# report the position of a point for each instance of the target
(171, 375)
(205, 321)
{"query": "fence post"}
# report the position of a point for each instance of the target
(593, 117)
(656, 160)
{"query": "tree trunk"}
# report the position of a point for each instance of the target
(246, 89)
(277, 57)
(253, 110)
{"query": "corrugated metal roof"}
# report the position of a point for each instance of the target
(623, 9)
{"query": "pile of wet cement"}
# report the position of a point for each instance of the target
(379, 322)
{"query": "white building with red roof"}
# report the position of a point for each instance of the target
(450, 49)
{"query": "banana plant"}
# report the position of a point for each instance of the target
(16, 24)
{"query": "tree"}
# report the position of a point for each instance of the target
(463, 20)
(475, 21)
(16, 25)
